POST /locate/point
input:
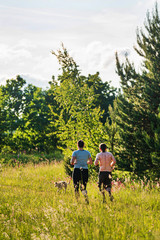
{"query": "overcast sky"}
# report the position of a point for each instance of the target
(91, 30)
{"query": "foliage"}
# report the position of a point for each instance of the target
(137, 108)
(36, 120)
(26, 117)
(111, 131)
(18, 160)
(11, 106)
(33, 118)
(80, 117)
(3, 122)
(104, 92)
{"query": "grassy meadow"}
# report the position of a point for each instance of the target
(32, 208)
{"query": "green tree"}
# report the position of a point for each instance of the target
(3, 122)
(111, 132)
(83, 121)
(104, 94)
(138, 105)
(34, 133)
(79, 117)
(12, 106)
(26, 119)
(154, 144)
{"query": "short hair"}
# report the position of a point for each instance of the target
(80, 143)
(103, 147)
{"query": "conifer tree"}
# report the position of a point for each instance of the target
(137, 107)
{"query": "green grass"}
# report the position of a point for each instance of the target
(32, 208)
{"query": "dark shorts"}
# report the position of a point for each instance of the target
(105, 179)
(80, 176)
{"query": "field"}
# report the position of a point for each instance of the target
(32, 208)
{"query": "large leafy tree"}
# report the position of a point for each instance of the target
(104, 93)
(34, 132)
(25, 117)
(80, 116)
(137, 114)
(11, 101)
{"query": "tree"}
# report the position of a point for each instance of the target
(34, 132)
(25, 117)
(111, 132)
(12, 94)
(154, 143)
(3, 122)
(12, 106)
(138, 105)
(104, 94)
(79, 117)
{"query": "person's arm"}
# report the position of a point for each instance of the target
(73, 160)
(113, 162)
(96, 163)
(89, 160)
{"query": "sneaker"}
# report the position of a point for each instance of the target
(84, 192)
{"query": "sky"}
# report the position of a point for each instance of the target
(91, 30)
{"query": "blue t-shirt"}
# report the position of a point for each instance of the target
(82, 157)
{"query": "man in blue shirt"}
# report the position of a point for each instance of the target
(80, 159)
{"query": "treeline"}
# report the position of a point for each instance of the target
(35, 119)
(85, 107)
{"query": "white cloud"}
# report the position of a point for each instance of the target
(100, 57)
(92, 37)
(23, 59)
(15, 52)
(36, 79)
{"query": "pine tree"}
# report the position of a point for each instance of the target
(139, 103)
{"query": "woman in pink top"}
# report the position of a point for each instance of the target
(106, 161)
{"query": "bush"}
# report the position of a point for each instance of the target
(13, 159)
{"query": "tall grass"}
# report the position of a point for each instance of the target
(32, 208)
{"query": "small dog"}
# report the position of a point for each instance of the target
(60, 185)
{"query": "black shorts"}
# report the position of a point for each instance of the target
(80, 176)
(105, 178)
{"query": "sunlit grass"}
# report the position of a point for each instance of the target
(32, 208)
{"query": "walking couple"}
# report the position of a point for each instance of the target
(81, 158)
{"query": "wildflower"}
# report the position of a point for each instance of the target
(5, 235)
